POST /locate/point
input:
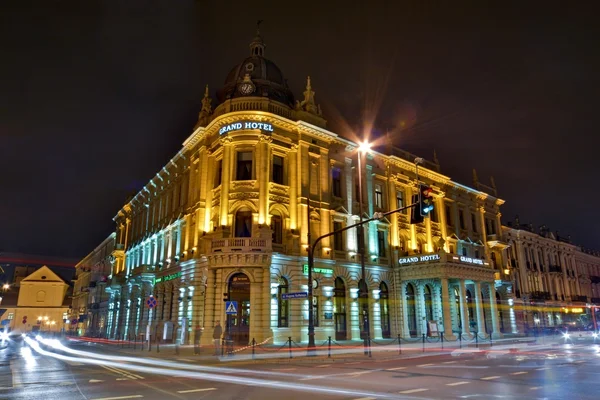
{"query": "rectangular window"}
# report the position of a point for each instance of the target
(400, 200)
(218, 173)
(461, 219)
(336, 182)
(474, 223)
(244, 166)
(381, 243)
(277, 228)
(278, 169)
(378, 196)
(338, 239)
(449, 220)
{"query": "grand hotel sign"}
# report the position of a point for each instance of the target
(238, 126)
(419, 259)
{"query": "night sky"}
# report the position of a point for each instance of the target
(96, 96)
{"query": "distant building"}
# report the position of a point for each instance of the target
(39, 303)
(90, 299)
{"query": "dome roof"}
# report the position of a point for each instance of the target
(262, 76)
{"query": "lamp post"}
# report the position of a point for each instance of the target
(363, 148)
(311, 351)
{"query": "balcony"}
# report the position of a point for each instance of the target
(240, 245)
(580, 299)
(540, 296)
(143, 269)
(555, 268)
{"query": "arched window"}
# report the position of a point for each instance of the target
(243, 223)
(40, 296)
(384, 310)
(283, 307)
(411, 309)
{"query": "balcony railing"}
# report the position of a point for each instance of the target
(581, 299)
(240, 245)
(143, 269)
(555, 268)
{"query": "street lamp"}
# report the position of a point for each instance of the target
(363, 148)
(6, 286)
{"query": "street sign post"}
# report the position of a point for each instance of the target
(231, 307)
(297, 295)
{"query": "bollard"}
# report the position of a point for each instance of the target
(399, 345)
(176, 348)
(290, 345)
(442, 339)
(491, 344)
(157, 345)
(329, 348)
(460, 339)
(253, 348)
(149, 343)
(134, 342)
(476, 340)
(423, 343)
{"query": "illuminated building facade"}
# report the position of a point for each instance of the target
(556, 282)
(89, 309)
(229, 215)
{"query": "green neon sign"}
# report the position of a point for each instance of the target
(327, 271)
(167, 277)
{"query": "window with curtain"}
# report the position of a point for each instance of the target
(243, 224)
(381, 243)
(378, 196)
(244, 166)
(277, 228)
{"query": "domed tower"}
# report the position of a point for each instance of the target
(257, 84)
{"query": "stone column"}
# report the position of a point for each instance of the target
(292, 181)
(225, 180)
(464, 312)
(479, 309)
(494, 309)
(421, 312)
(263, 177)
(405, 329)
(446, 309)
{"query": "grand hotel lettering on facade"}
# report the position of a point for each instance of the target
(228, 215)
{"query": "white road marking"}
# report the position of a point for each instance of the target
(323, 366)
(542, 369)
(360, 373)
(284, 369)
(122, 379)
(74, 363)
(425, 365)
(185, 359)
(489, 378)
(395, 369)
(16, 377)
(196, 390)
(134, 396)
(310, 378)
(535, 388)
(519, 373)
(450, 362)
(457, 383)
(355, 362)
(366, 398)
(95, 381)
(413, 391)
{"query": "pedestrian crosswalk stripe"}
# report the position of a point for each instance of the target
(413, 391)
(519, 373)
(489, 378)
(395, 369)
(457, 383)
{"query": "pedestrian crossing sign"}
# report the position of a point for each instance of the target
(231, 307)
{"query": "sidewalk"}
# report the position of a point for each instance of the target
(340, 351)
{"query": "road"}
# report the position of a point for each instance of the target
(33, 370)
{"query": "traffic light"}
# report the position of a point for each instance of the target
(415, 214)
(425, 200)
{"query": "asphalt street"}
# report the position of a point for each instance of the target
(30, 369)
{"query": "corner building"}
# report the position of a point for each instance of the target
(229, 214)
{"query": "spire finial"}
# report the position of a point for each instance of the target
(308, 104)
(257, 46)
(475, 180)
(435, 159)
(206, 110)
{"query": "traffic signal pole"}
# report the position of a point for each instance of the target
(311, 350)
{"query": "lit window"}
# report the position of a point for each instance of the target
(277, 228)
(400, 200)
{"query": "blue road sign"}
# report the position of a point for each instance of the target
(151, 302)
(297, 295)
(231, 307)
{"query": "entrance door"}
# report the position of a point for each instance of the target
(238, 325)
(340, 326)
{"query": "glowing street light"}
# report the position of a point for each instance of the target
(6, 286)
(363, 148)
